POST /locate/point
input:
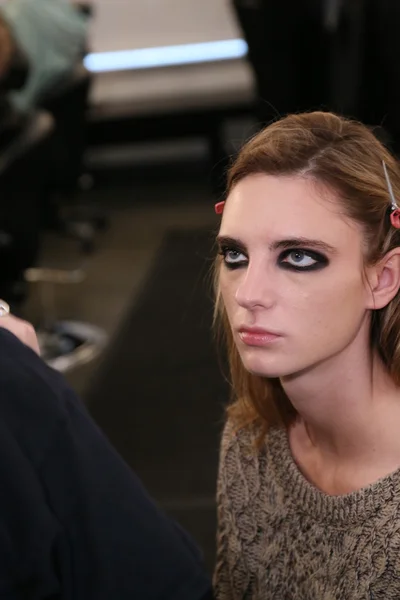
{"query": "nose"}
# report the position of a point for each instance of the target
(255, 289)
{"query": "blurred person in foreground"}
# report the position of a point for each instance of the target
(75, 522)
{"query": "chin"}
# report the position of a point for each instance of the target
(274, 367)
(271, 368)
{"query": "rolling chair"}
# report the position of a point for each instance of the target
(66, 344)
(32, 146)
(24, 146)
(23, 166)
(68, 105)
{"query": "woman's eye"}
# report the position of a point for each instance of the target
(298, 258)
(302, 259)
(232, 256)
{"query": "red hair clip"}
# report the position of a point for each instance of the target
(395, 214)
(219, 207)
(395, 218)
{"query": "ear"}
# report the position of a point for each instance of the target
(384, 280)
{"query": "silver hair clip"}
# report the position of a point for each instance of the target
(395, 210)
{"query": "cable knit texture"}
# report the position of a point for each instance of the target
(280, 538)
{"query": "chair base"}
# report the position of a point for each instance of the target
(70, 344)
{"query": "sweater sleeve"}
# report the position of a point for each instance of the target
(238, 480)
(223, 585)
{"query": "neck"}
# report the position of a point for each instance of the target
(348, 406)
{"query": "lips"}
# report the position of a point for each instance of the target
(255, 336)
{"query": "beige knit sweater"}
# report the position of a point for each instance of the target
(280, 538)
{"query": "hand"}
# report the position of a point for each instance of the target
(23, 330)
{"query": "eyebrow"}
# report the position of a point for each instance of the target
(285, 244)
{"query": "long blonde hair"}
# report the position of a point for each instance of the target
(345, 157)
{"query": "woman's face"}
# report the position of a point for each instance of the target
(291, 277)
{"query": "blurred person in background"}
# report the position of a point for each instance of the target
(379, 89)
(288, 52)
(75, 522)
(14, 68)
(339, 55)
(52, 34)
(7, 48)
(307, 296)
(14, 64)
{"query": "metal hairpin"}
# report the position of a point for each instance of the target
(393, 202)
(394, 209)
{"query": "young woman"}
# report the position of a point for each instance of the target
(307, 283)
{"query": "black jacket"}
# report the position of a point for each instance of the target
(75, 523)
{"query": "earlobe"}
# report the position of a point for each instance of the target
(385, 282)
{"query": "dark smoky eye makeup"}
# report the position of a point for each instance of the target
(302, 259)
(292, 258)
(233, 256)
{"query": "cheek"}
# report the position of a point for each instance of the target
(334, 306)
(229, 283)
(227, 286)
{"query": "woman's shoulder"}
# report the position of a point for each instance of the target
(241, 450)
(253, 438)
(250, 449)
(243, 438)
(247, 475)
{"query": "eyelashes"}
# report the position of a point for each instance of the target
(302, 260)
(232, 257)
(294, 259)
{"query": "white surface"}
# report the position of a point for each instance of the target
(165, 56)
(172, 89)
(130, 24)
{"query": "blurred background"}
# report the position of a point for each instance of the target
(118, 119)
